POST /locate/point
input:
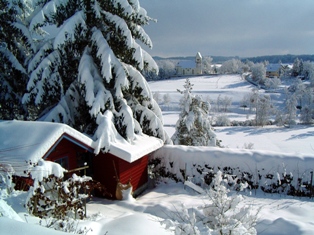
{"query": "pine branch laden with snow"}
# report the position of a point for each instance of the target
(15, 49)
(104, 138)
(44, 80)
(96, 95)
(15, 63)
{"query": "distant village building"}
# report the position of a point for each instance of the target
(190, 67)
(273, 70)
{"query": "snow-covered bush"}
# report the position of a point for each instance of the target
(222, 120)
(232, 66)
(221, 214)
(6, 185)
(259, 73)
(272, 83)
(67, 225)
(52, 197)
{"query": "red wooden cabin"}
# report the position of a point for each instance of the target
(30, 141)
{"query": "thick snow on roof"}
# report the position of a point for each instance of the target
(22, 142)
(273, 67)
(140, 147)
(186, 64)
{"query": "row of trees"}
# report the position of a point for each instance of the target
(88, 74)
(236, 66)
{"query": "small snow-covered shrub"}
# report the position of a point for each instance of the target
(224, 214)
(222, 120)
(60, 199)
(221, 213)
(52, 197)
(67, 225)
(6, 185)
(248, 145)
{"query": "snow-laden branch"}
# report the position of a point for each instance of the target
(135, 4)
(26, 34)
(127, 8)
(126, 115)
(109, 61)
(139, 81)
(15, 63)
(106, 132)
(66, 108)
(39, 77)
(143, 35)
(139, 55)
(46, 13)
(96, 94)
(38, 57)
(67, 30)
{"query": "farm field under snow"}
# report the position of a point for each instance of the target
(278, 214)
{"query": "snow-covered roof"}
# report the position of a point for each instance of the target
(186, 64)
(28, 141)
(273, 67)
(140, 147)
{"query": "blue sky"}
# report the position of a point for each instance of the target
(230, 27)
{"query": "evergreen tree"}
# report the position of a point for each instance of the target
(16, 46)
(193, 127)
(90, 74)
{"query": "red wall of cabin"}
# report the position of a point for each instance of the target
(66, 148)
(107, 168)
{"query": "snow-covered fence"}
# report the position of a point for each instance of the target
(269, 171)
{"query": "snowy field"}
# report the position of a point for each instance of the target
(297, 139)
(278, 214)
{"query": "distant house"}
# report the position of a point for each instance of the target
(273, 70)
(24, 142)
(190, 67)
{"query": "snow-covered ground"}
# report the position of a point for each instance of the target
(296, 139)
(278, 214)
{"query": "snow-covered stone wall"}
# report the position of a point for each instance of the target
(265, 170)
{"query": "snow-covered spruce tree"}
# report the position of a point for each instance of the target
(89, 74)
(16, 46)
(193, 127)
